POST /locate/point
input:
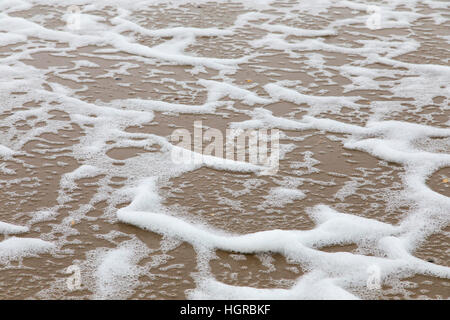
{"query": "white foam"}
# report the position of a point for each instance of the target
(274, 30)
(317, 103)
(279, 197)
(218, 90)
(117, 274)
(17, 248)
(333, 228)
(5, 152)
(7, 228)
(310, 287)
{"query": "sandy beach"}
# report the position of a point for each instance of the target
(354, 204)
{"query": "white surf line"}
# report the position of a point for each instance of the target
(156, 105)
(263, 118)
(333, 228)
(244, 19)
(8, 228)
(433, 69)
(17, 248)
(390, 141)
(313, 285)
(317, 103)
(121, 25)
(287, 30)
(27, 28)
(6, 152)
(195, 160)
(336, 228)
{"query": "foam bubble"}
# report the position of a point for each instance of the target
(7, 228)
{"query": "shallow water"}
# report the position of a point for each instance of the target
(90, 99)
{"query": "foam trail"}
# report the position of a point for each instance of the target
(8, 228)
(16, 248)
(92, 109)
(310, 287)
